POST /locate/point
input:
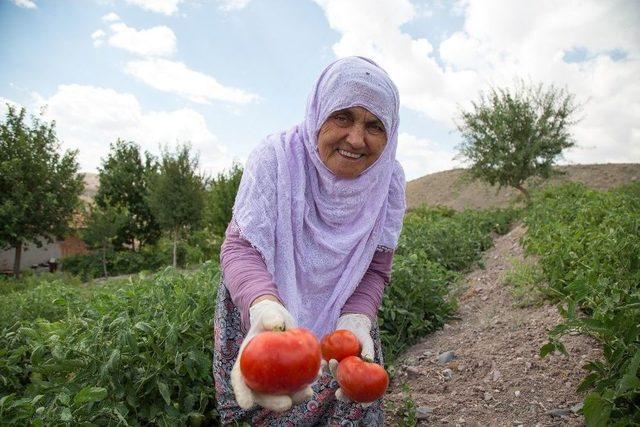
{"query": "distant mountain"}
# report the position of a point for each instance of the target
(448, 189)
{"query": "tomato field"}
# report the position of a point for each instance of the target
(138, 351)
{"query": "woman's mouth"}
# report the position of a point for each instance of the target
(349, 154)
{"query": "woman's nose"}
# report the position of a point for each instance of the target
(356, 136)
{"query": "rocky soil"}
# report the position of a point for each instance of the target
(484, 369)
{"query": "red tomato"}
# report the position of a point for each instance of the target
(281, 362)
(339, 344)
(362, 381)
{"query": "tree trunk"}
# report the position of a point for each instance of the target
(175, 248)
(16, 259)
(104, 261)
(524, 191)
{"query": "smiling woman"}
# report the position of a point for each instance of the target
(315, 223)
(350, 141)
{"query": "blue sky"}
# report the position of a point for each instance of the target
(223, 74)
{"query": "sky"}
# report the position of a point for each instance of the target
(222, 74)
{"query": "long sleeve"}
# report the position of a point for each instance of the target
(367, 297)
(245, 273)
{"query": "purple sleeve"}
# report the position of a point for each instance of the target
(367, 297)
(245, 273)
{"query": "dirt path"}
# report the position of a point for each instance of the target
(496, 377)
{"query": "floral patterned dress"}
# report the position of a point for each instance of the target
(323, 409)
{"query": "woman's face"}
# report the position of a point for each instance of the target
(350, 141)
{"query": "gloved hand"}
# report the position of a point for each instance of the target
(264, 316)
(360, 325)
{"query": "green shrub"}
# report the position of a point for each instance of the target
(588, 243)
(139, 353)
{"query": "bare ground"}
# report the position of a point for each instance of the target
(496, 377)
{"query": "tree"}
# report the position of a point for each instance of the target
(221, 196)
(124, 180)
(39, 188)
(103, 226)
(509, 137)
(177, 194)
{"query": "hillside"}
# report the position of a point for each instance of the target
(447, 188)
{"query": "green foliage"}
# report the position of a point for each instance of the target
(177, 194)
(130, 353)
(39, 188)
(509, 136)
(589, 249)
(102, 228)
(527, 284)
(221, 196)
(124, 180)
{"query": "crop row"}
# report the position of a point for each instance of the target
(588, 244)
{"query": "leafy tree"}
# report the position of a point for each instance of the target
(103, 226)
(177, 194)
(39, 188)
(509, 136)
(221, 196)
(124, 180)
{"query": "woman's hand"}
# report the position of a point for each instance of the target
(360, 325)
(265, 314)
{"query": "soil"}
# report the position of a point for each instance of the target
(497, 376)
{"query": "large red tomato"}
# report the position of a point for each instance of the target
(277, 362)
(361, 381)
(339, 344)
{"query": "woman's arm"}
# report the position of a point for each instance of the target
(245, 274)
(367, 297)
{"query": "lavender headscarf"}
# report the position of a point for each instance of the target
(317, 232)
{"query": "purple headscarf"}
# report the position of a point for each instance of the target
(318, 232)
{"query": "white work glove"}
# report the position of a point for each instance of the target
(265, 316)
(360, 325)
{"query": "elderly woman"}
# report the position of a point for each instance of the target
(315, 223)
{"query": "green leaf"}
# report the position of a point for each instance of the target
(66, 415)
(90, 394)
(596, 411)
(164, 391)
(144, 327)
(627, 382)
(546, 349)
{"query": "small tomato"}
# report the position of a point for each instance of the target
(361, 381)
(281, 362)
(339, 344)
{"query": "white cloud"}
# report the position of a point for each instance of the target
(229, 5)
(167, 7)
(420, 157)
(89, 118)
(156, 41)
(111, 17)
(27, 4)
(501, 41)
(98, 37)
(175, 77)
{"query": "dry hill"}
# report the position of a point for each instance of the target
(448, 189)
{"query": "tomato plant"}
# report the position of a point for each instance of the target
(339, 344)
(281, 362)
(361, 381)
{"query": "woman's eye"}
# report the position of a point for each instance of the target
(342, 119)
(376, 129)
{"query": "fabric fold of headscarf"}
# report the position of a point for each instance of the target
(318, 232)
